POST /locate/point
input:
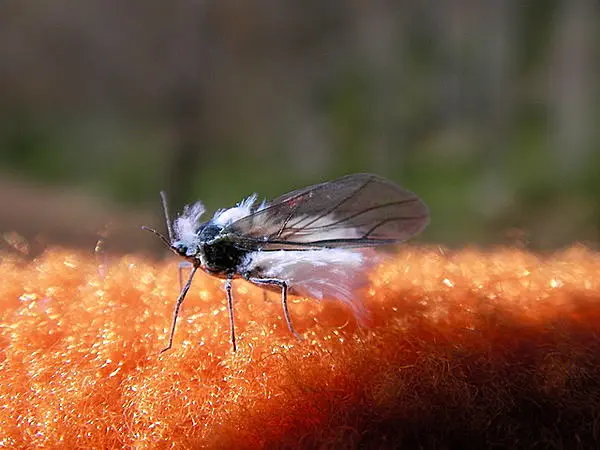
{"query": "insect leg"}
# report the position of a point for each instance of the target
(284, 288)
(230, 307)
(178, 306)
(183, 265)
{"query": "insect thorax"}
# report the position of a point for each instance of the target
(220, 254)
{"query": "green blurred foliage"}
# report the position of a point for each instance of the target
(489, 111)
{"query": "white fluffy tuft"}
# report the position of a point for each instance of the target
(307, 229)
(320, 274)
(244, 208)
(185, 226)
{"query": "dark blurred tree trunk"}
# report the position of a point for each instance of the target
(574, 87)
(378, 35)
(189, 54)
(183, 160)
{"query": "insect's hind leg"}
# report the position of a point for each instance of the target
(284, 288)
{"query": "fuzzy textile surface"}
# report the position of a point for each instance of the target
(463, 349)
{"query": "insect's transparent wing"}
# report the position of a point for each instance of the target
(353, 211)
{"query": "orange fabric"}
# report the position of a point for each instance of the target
(499, 347)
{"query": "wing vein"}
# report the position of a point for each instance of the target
(328, 211)
(391, 219)
(355, 215)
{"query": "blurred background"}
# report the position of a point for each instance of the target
(489, 110)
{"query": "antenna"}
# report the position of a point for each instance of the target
(163, 197)
(159, 234)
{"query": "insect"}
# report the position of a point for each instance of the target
(311, 242)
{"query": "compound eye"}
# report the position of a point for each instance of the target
(180, 248)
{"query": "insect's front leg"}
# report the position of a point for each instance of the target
(183, 265)
(284, 288)
(230, 308)
(180, 299)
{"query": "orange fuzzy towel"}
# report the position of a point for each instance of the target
(464, 349)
